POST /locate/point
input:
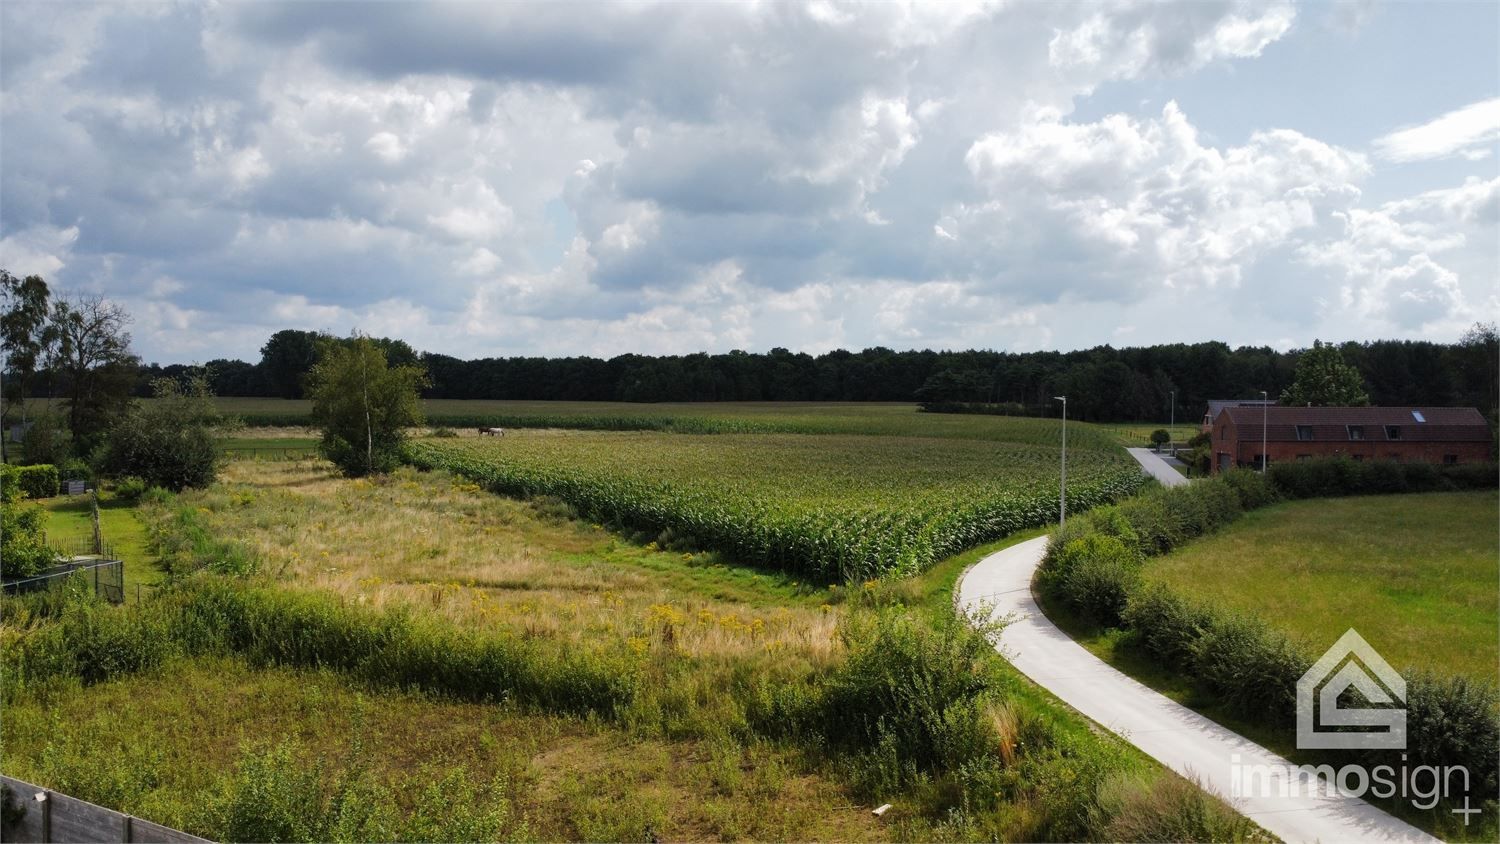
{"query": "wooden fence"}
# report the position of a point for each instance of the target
(36, 814)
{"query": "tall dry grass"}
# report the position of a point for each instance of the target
(439, 545)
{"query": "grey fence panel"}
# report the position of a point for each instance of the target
(28, 826)
(142, 830)
(64, 818)
(85, 823)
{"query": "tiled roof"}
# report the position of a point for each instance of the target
(1216, 405)
(1330, 424)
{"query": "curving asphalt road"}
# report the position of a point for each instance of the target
(999, 586)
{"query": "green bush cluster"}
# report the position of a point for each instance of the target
(1237, 662)
(38, 480)
(1338, 476)
(23, 544)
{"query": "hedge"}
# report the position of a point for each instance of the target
(39, 481)
(1339, 476)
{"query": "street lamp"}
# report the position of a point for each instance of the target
(1062, 490)
(1171, 445)
(1264, 458)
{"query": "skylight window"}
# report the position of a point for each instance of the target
(1417, 415)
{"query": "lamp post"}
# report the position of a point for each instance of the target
(1062, 489)
(1264, 458)
(1172, 428)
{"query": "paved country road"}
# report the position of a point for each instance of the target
(1157, 467)
(1188, 743)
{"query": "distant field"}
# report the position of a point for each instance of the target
(833, 506)
(1414, 574)
(876, 419)
(1138, 434)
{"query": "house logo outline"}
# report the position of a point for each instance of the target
(1348, 664)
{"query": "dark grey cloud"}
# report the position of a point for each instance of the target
(521, 177)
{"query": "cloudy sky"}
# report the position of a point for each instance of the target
(487, 179)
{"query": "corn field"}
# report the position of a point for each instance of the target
(831, 507)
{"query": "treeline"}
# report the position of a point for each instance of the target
(1102, 384)
(49, 346)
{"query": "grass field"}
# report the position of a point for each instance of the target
(1138, 434)
(1414, 574)
(829, 507)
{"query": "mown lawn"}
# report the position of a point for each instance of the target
(1414, 574)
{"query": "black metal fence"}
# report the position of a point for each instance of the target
(107, 577)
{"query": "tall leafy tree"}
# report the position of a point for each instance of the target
(93, 355)
(1323, 379)
(287, 358)
(25, 333)
(364, 405)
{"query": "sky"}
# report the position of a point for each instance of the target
(569, 178)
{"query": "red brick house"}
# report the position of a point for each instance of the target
(1408, 434)
(1216, 405)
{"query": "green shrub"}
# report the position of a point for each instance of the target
(1453, 721)
(131, 488)
(1075, 528)
(1165, 626)
(1094, 575)
(76, 469)
(274, 797)
(38, 481)
(1253, 489)
(1249, 668)
(910, 691)
(23, 544)
(444, 432)
(168, 442)
(1133, 807)
(1158, 529)
(1160, 437)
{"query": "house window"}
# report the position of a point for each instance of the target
(1304, 457)
(1393, 432)
(1356, 432)
(1417, 415)
(1304, 432)
(1358, 458)
(1450, 459)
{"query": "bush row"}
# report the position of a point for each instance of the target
(36, 481)
(1326, 478)
(1093, 566)
(206, 615)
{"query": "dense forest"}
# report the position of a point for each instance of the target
(1103, 383)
